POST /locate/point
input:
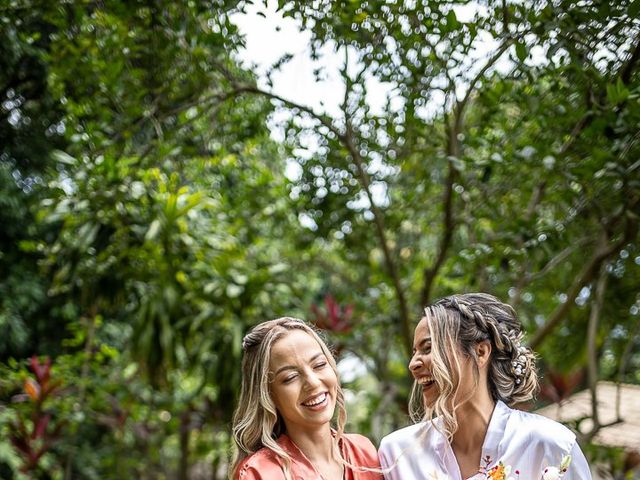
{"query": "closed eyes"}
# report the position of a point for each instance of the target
(290, 378)
(422, 351)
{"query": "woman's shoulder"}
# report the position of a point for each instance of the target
(359, 451)
(357, 440)
(262, 464)
(543, 431)
(362, 448)
(406, 436)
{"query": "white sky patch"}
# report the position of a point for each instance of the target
(351, 368)
(268, 38)
(293, 170)
(307, 222)
(466, 13)
(379, 193)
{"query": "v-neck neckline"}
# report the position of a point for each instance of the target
(491, 445)
(288, 444)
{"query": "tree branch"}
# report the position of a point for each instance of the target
(525, 279)
(627, 69)
(555, 261)
(534, 201)
(583, 123)
(347, 139)
(448, 227)
(592, 348)
(392, 268)
(589, 271)
(624, 359)
(461, 105)
(505, 17)
(453, 150)
(326, 121)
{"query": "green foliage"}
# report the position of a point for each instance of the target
(523, 182)
(147, 223)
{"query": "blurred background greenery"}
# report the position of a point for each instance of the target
(146, 221)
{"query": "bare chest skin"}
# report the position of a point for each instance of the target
(330, 470)
(468, 462)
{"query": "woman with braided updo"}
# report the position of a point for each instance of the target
(282, 425)
(470, 367)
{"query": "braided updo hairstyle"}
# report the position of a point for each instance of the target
(457, 324)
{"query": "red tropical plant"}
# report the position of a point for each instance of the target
(558, 386)
(33, 439)
(333, 317)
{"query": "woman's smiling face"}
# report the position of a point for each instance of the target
(460, 373)
(421, 363)
(304, 386)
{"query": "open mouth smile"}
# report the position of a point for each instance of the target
(317, 402)
(426, 381)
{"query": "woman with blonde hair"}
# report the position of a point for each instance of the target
(282, 425)
(470, 367)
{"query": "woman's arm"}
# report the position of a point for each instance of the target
(579, 468)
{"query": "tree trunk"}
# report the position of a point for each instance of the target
(183, 467)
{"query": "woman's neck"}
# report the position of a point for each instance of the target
(473, 421)
(316, 444)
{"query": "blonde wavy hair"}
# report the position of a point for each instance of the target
(256, 421)
(457, 324)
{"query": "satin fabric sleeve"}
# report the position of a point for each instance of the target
(384, 464)
(387, 460)
(382, 456)
(579, 468)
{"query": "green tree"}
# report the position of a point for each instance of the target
(521, 181)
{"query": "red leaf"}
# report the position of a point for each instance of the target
(559, 386)
(41, 427)
(335, 318)
(42, 370)
(333, 309)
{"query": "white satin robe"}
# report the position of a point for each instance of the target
(526, 442)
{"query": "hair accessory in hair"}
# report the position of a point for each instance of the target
(519, 365)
